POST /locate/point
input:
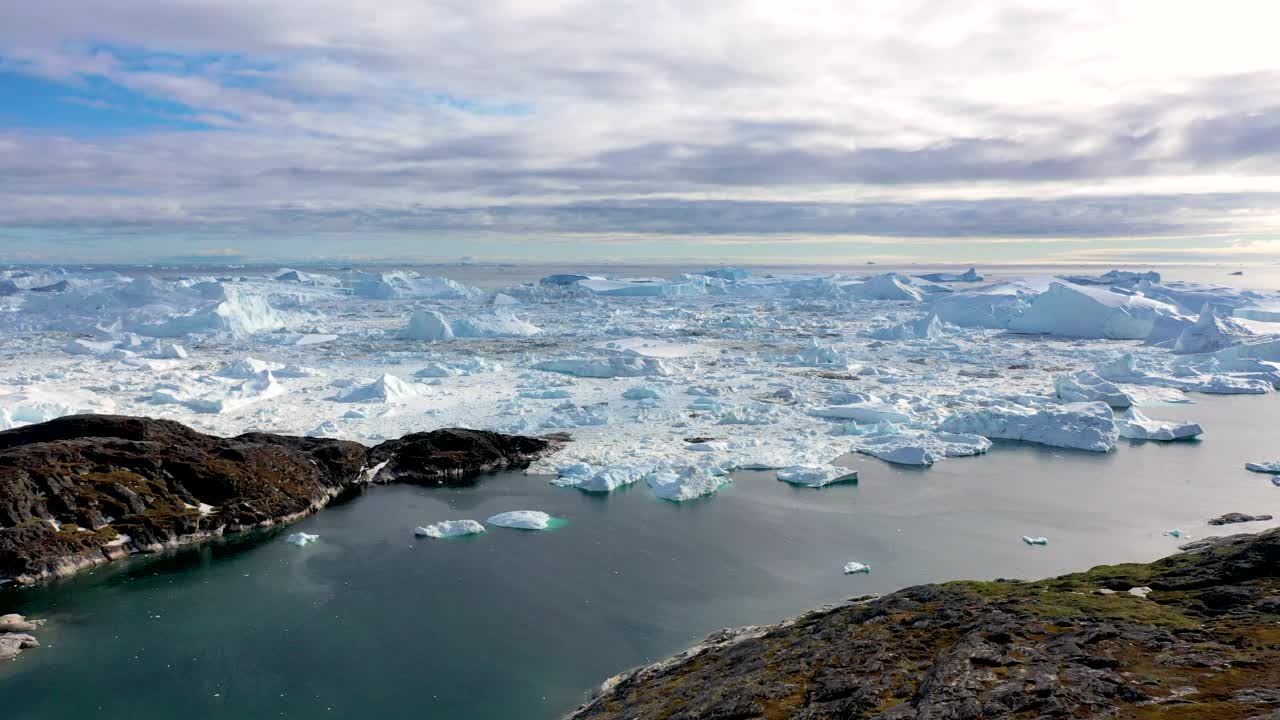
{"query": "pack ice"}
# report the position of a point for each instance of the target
(666, 385)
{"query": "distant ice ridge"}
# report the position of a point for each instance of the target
(1128, 369)
(406, 285)
(1082, 425)
(1136, 426)
(1078, 311)
(31, 405)
(432, 325)
(611, 367)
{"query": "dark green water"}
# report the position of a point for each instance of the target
(371, 622)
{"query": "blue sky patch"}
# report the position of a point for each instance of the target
(91, 105)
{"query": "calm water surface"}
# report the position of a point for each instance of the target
(371, 622)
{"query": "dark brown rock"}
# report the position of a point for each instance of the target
(87, 489)
(1047, 649)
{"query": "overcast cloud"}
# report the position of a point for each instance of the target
(398, 126)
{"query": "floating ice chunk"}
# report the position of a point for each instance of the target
(169, 351)
(297, 371)
(816, 476)
(918, 447)
(1035, 540)
(607, 367)
(1083, 425)
(856, 568)
(238, 314)
(690, 483)
(386, 389)
(649, 347)
(1228, 385)
(707, 446)
(1085, 386)
(1272, 467)
(428, 325)
(451, 528)
(326, 429)
(1177, 534)
(992, 307)
(37, 405)
(1136, 426)
(589, 479)
(80, 346)
(1075, 311)
(301, 539)
(546, 394)
(890, 286)
(522, 520)
(644, 392)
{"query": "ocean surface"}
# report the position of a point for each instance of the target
(371, 622)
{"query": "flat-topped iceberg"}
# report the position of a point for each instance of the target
(917, 447)
(890, 286)
(432, 326)
(522, 520)
(688, 484)
(450, 528)
(587, 478)
(1272, 467)
(816, 476)
(1083, 425)
(1133, 425)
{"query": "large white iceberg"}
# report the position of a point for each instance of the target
(890, 286)
(1082, 425)
(1090, 312)
(690, 483)
(428, 325)
(816, 476)
(522, 520)
(917, 447)
(386, 389)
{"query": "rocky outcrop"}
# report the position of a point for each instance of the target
(87, 489)
(1235, 517)
(1196, 635)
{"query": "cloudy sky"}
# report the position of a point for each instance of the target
(1061, 130)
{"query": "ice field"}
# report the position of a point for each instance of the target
(671, 382)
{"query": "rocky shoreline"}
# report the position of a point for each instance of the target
(85, 490)
(1195, 635)
(15, 635)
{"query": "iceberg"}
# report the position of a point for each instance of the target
(929, 327)
(689, 484)
(262, 386)
(856, 568)
(970, 275)
(871, 411)
(644, 392)
(1272, 467)
(816, 476)
(428, 325)
(1086, 312)
(993, 307)
(301, 539)
(386, 389)
(450, 528)
(890, 286)
(522, 520)
(1211, 333)
(918, 447)
(589, 479)
(1133, 425)
(1035, 540)
(1082, 425)
(1085, 386)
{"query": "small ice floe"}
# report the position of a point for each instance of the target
(816, 476)
(522, 520)
(1177, 534)
(450, 528)
(1272, 467)
(855, 568)
(302, 539)
(1035, 540)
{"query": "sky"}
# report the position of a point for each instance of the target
(554, 130)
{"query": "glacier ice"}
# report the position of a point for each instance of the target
(816, 476)
(1086, 386)
(1088, 312)
(1083, 425)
